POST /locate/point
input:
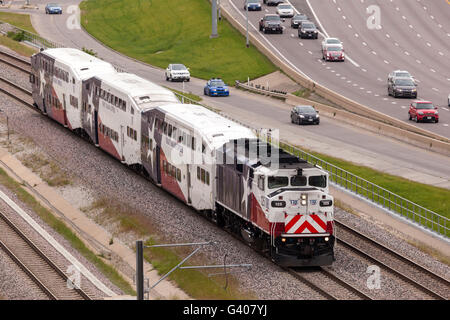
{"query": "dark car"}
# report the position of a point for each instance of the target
(271, 23)
(307, 29)
(305, 114)
(402, 87)
(297, 19)
(423, 111)
(53, 8)
(273, 2)
(253, 5)
(216, 87)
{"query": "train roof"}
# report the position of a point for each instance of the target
(144, 92)
(214, 128)
(83, 64)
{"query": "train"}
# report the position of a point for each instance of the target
(274, 201)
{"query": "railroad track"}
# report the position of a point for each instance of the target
(15, 62)
(41, 270)
(423, 279)
(17, 92)
(330, 286)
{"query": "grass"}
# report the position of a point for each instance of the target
(302, 93)
(430, 197)
(189, 95)
(196, 283)
(64, 231)
(18, 47)
(47, 170)
(21, 21)
(164, 32)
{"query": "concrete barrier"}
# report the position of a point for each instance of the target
(374, 126)
(328, 94)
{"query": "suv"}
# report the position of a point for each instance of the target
(271, 23)
(423, 111)
(295, 21)
(304, 114)
(307, 29)
(273, 2)
(177, 71)
(402, 87)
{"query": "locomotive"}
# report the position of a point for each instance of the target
(274, 201)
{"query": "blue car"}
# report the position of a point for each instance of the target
(53, 8)
(216, 87)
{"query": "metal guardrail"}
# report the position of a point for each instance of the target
(338, 176)
(361, 187)
(261, 90)
(30, 37)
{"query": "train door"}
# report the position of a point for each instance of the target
(122, 142)
(95, 125)
(189, 184)
(158, 164)
(65, 110)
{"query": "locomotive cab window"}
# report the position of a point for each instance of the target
(298, 181)
(261, 182)
(277, 182)
(318, 181)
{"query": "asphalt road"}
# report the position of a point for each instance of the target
(330, 137)
(413, 35)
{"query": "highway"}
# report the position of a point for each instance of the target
(329, 137)
(410, 37)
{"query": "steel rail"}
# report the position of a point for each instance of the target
(11, 89)
(371, 257)
(41, 255)
(11, 60)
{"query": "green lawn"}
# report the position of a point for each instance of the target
(162, 32)
(21, 21)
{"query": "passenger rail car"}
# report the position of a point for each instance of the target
(276, 202)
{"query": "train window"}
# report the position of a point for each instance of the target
(188, 141)
(172, 171)
(261, 183)
(202, 178)
(193, 143)
(174, 132)
(169, 133)
(203, 148)
(318, 181)
(207, 178)
(178, 174)
(277, 182)
(165, 127)
(198, 173)
(119, 103)
(151, 144)
(298, 181)
(135, 135)
(132, 110)
(240, 167)
(184, 138)
(124, 107)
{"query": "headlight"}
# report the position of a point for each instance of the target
(414, 90)
(436, 112)
(317, 115)
(303, 202)
(420, 112)
(303, 196)
(301, 116)
(400, 90)
(315, 31)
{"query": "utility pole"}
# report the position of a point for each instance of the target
(140, 269)
(214, 19)
(246, 18)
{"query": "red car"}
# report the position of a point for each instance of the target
(423, 111)
(333, 53)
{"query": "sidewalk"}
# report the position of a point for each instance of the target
(97, 238)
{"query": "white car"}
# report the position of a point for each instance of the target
(335, 42)
(400, 74)
(177, 72)
(285, 10)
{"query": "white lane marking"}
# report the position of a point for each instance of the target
(445, 125)
(364, 44)
(56, 245)
(407, 53)
(428, 44)
(435, 89)
(309, 52)
(440, 53)
(403, 107)
(363, 70)
(301, 43)
(396, 44)
(385, 61)
(368, 91)
(356, 35)
(373, 52)
(387, 35)
(432, 70)
(393, 102)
